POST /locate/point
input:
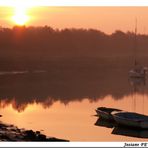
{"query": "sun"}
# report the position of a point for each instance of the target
(20, 16)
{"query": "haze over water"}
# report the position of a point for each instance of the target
(62, 101)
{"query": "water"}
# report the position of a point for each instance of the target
(61, 101)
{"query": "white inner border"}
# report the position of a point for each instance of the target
(75, 2)
(72, 144)
(12, 3)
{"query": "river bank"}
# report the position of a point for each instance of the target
(10, 132)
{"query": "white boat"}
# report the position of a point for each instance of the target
(137, 71)
(106, 113)
(131, 119)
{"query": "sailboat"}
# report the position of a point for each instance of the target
(138, 71)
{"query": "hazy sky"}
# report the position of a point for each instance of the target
(106, 19)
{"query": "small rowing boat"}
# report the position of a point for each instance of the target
(106, 113)
(131, 119)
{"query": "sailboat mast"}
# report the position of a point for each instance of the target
(135, 43)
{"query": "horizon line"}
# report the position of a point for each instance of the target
(69, 28)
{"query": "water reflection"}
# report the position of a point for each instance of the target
(138, 84)
(105, 123)
(66, 84)
(124, 131)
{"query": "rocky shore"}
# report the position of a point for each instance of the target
(12, 133)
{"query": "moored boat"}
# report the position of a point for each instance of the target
(138, 72)
(131, 119)
(106, 113)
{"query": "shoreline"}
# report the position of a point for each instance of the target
(9, 132)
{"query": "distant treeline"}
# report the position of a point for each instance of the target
(37, 47)
(45, 42)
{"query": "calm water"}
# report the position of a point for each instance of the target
(62, 100)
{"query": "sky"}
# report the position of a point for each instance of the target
(106, 19)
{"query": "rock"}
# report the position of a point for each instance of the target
(12, 133)
(41, 137)
(30, 135)
(6, 137)
(38, 132)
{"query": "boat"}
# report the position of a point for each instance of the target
(131, 119)
(106, 113)
(130, 132)
(138, 71)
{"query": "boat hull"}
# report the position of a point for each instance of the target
(126, 122)
(133, 74)
(144, 124)
(138, 72)
(131, 121)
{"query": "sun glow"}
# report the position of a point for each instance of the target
(20, 16)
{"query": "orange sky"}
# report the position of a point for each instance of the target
(106, 19)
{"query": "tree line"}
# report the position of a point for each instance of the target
(46, 42)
